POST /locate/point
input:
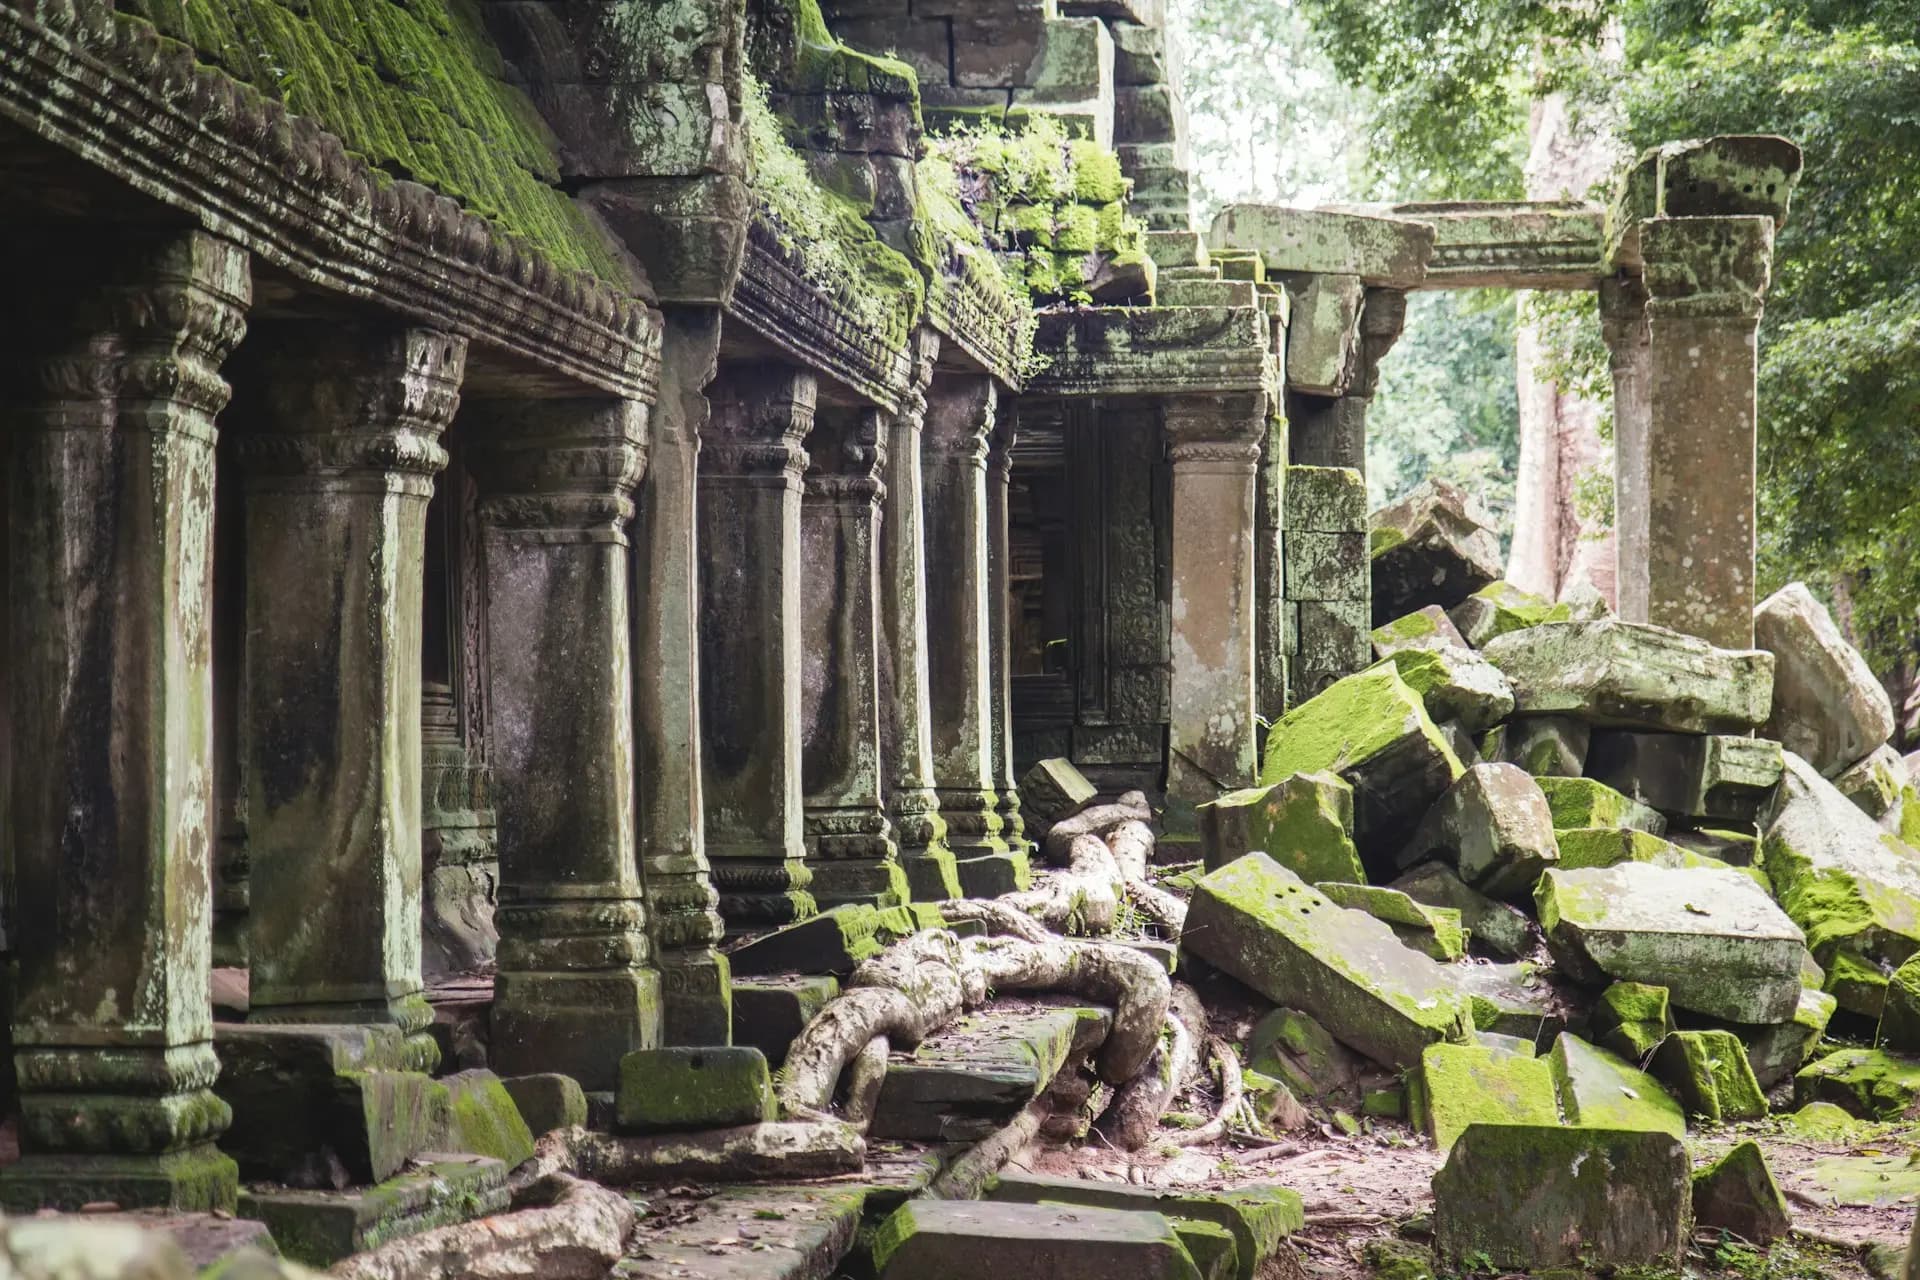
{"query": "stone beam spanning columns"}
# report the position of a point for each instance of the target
(1215, 445)
(1623, 324)
(110, 541)
(960, 418)
(340, 468)
(750, 607)
(1707, 279)
(999, 633)
(682, 907)
(574, 990)
(919, 829)
(849, 840)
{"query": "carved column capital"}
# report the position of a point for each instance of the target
(1623, 316)
(1001, 441)
(961, 408)
(1383, 316)
(1223, 430)
(848, 454)
(759, 424)
(558, 470)
(1707, 267)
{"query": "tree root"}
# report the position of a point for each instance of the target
(1084, 900)
(1136, 988)
(1134, 1114)
(967, 1176)
(1096, 821)
(819, 1148)
(561, 1228)
(1001, 919)
(1132, 846)
(864, 1080)
(1226, 1064)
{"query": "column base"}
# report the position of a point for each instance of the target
(409, 1016)
(199, 1179)
(696, 997)
(1013, 826)
(931, 874)
(993, 874)
(973, 821)
(851, 853)
(872, 882)
(762, 893)
(578, 1024)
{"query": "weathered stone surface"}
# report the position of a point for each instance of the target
(1433, 931)
(696, 1087)
(1493, 927)
(963, 1239)
(1877, 783)
(1257, 921)
(1827, 706)
(1304, 823)
(1775, 1052)
(1292, 1048)
(1599, 1089)
(1628, 675)
(1716, 776)
(1434, 547)
(1258, 1218)
(1737, 1193)
(1592, 847)
(1709, 1072)
(1392, 252)
(969, 1079)
(833, 942)
(483, 1119)
(1325, 500)
(1374, 731)
(1735, 848)
(1053, 789)
(1523, 1000)
(318, 1228)
(1869, 1083)
(1463, 1084)
(1586, 802)
(547, 1101)
(1631, 1019)
(1853, 888)
(1713, 938)
(1899, 1028)
(1500, 607)
(1495, 826)
(1526, 1197)
(1545, 746)
(769, 1012)
(1425, 628)
(1457, 685)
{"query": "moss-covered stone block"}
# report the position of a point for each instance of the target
(1493, 928)
(1303, 822)
(1630, 675)
(1291, 1047)
(1499, 608)
(318, 1228)
(1737, 1193)
(964, 1239)
(1701, 777)
(1495, 826)
(1777, 1051)
(685, 1088)
(1631, 1019)
(1441, 548)
(1545, 746)
(1523, 1000)
(835, 942)
(484, 1120)
(1258, 1218)
(1426, 628)
(1457, 1085)
(548, 1101)
(1869, 1083)
(1433, 931)
(1456, 684)
(1601, 1090)
(1709, 1072)
(1585, 802)
(1899, 1028)
(1211, 1246)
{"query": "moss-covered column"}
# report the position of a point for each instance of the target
(849, 840)
(682, 907)
(960, 415)
(1269, 568)
(751, 461)
(1623, 324)
(340, 464)
(999, 638)
(918, 827)
(1708, 278)
(110, 543)
(574, 990)
(1215, 445)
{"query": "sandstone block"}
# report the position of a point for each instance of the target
(1458, 1085)
(1899, 1028)
(1456, 685)
(769, 1012)
(1289, 1046)
(1390, 252)
(1500, 607)
(1719, 777)
(1257, 1218)
(1304, 823)
(835, 942)
(1877, 783)
(484, 1120)
(1776, 1051)
(1631, 1019)
(1493, 927)
(1599, 1089)
(1629, 675)
(1433, 547)
(1426, 628)
(1827, 707)
(1522, 1000)
(1737, 1193)
(1586, 802)
(1709, 1072)
(1590, 847)
(1735, 848)
(964, 1239)
(548, 1101)
(1432, 931)
(1495, 826)
(1053, 789)
(688, 1088)
(1871, 1084)
(1545, 746)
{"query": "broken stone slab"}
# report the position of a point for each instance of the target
(687, 1088)
(1432, 547)
(1052, 790)
(1714, 776)
(1382, 251)
(483, 1119)
(547, 1101)
(1291, 1047)
(1899, 1028)
(770, 1012)
(1258, 922)
(1545, 746)
(1492, 927)
(1629, 675)
(1456, 685)
(1424, 628)
(1498, 608)
(1432, 931)
(1592, 847)
(835, 942)
(1735, 848)
(1602, 1090)
(1585, 802)
(1712, 937)
(1458, 1085)
(1373, 730)
(1827, 706)
(1709, 1072)
(320, 1227)
(1259, 1218)
(969, 1079)
(1215, 1253)
(1871, 1084)
(1521, 1000)
(1304, 822)
(1853, 888)
(1530, 1197)
(1495, 825)
(928, 1239)
(1877, 783)
(1631, 1019)
(1776, 1051)
(1737, 1193)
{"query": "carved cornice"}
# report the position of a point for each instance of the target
(982, 320)
(1147, 351)
(1707, 267)
(113, 92)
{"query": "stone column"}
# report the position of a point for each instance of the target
(340, 467)
(849, 840)
(960, 412)
(1331, 431)
(1707, 278)
(999, 637)
(1269, 567)
(1623, 323)
(1215, 445)
(750, 602)
(574, 991)
(682, 907)
(110, 542)
(919, 829)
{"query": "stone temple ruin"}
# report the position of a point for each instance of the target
(561, 550)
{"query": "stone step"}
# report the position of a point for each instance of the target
(319, 1228)
(963, 1240)
(1259, 1218)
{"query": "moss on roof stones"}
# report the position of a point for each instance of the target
(414, 88)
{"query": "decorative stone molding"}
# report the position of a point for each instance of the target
(1705, 267)
(1129, 351)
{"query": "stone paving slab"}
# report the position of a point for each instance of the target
(321, 1227)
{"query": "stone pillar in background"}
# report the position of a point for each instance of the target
(110, 541)
(1707, 278)
(752, 458)
(1215, 446)
(960, 412)
(1272, 634)
(849, 840)
(1623, 323)
(574, 990)
(1327, 580)
(682, 907)
(340, 467)
(999, 637)
(1331, 431)
(918, 828)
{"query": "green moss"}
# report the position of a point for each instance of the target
(485, 1120)
(1354, 718)
(1413, 627)
(1869, 1083)
(1384, 538)
(1458, 1085)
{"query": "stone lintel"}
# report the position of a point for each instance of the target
(1727, 176)
(1518, 244)
(1148, 351)
(1324, 330)
(1390, 251)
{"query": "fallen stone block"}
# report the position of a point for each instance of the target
(1737, 1193)
(1495, 825)
(1735, 848)
(835, 941)
(1586, 848)
(484, 1120)
(1584, 802)
(1499, 608)
(1713, 938)
(1827, 707)
(1303, 822)
(1716, 776)
(1291, 1047)
(1492, 927)
(1877, 783)
(1521, 1000)
(1432, 931)
(1629, 675)
(1465, 747)
(1427, 628)
(1871, 1084)
(770, 1012)
(1432, 547)
(1258, 922)
(969, 1079)
(690, 1088)
(1053, 789)
(1374, 731)
(1709, 1072)
(1778, 1050)
(320, 1227)
(1531, 1197)
(548, 1101)
(1853, 888)
(1899, 1028)
(1258, 1218)
(1212, 1247)
(1601, 1090)
(928, 1239)
(1456, 685)
(1458, 1085)
(1545, 746)
(1631, 1019)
